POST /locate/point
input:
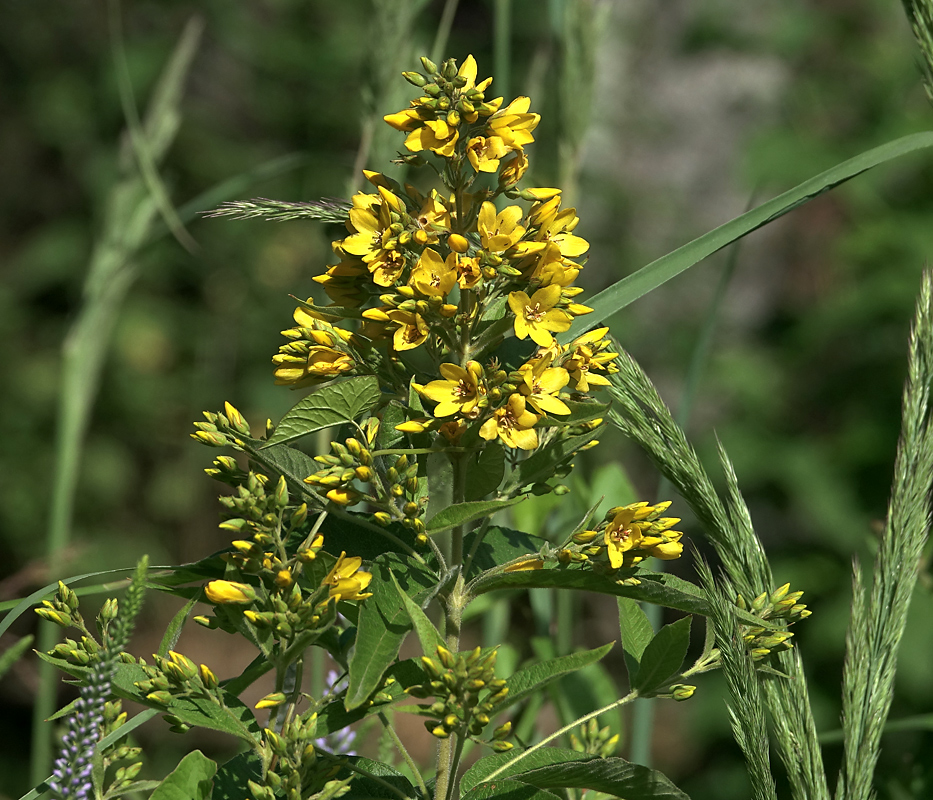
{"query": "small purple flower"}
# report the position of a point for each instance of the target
(71, 778)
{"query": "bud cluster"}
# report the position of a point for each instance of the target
(63, 609)
(781, 604)
(292, 768)
(113, 719)
(177, 676)
(467, 693)
(594, 740)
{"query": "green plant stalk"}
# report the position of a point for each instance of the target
(443, 30)
(131, 212)
(403, 751)
(447, 755)
(643, 713)
(502, 45)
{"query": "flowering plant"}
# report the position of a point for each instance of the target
(457, 375)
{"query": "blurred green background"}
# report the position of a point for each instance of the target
(698, 109)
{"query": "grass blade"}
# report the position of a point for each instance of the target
(620, 294)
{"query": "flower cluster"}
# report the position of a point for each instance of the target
(275, 546)
(627, 536)
(458, 680)
(449, 272)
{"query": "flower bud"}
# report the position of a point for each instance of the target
(415, 78)
(230, 592)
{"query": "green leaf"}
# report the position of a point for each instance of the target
(620, 294)
(230, 782)
(437, 481)
(384, 622)
(363, 786)
(292, 464)
(333, 404)
(190, 780)
(663, 658)
(345, 532)
(14, 653)
(173, 631)
(466, 512)
(507, 790)
(485, 471)
(652, 588)
(428, 635)
(387, 437)
(531, 679)
(579, 412)
(613, 776)
(542, 464)
(636, 632)
(499, 546)
(542, 757)
(334, 716)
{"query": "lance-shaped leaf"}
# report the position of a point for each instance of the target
(499, 546)
(542, 464)
(531, 679)
(612, 776)
(428, 635)
(655, 588)
(466, 512)
(485, 471)
(232, 779)
(384, 622)
(663, 657)
(191, 780)
(373, 779)
(505, 765)
(635, 632)
(333, 404)
(508, 790)
(620, 294)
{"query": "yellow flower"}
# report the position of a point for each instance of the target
(498, 232)
(540, 384)
(536, 316)
(468, 272)
(436, 135)
(459, 393)
(589, 355)
(229, 592)
(345, 579)
(405, 120)
(556, 226)
(434, 276)
(342, 282)
(513, 424)
(433, 215)
(513, 124)
(412, 330)
(514, 169)
(637, 531)
(623, 534)
(484, 152)
(319, 363)
(371, 239)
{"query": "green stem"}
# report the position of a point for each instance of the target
(566, 729)
(400, 746)
(443, 31)
(446, 756)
